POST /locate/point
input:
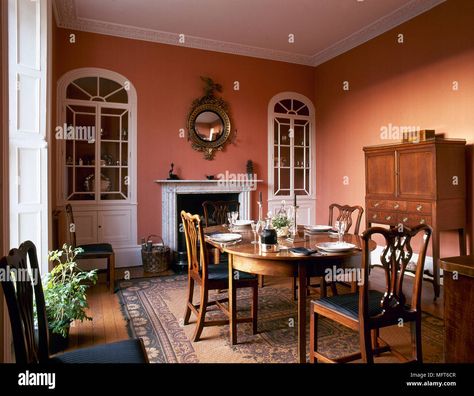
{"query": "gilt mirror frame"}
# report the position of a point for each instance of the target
(209, 103)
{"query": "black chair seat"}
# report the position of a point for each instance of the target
(96, 248)
(348, 304)
(221, 272)
(128, 351)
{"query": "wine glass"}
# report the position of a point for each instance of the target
(341, 229)
(229, 219)
(235, 216)
(254, 230)
(259, 226)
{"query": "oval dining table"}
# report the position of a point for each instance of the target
(247, 257)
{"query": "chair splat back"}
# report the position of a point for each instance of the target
(195, 243)
(395, 258)
(345, 214)
(22, 287)
(215, 212)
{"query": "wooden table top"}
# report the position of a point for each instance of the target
(464, 265)
(247, 249)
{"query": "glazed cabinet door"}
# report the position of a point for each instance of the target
(380, 173)
(416, 174)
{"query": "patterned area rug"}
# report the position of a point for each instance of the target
(154, 308)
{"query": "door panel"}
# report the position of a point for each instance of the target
(381, 174)
(86, 227)
(416, 174)
(115, 226)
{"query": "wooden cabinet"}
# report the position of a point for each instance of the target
(458, 312)
(418, 183)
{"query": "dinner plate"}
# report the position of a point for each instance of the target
(243, 223)
(336, 246)
(318, 228)
(225, 238)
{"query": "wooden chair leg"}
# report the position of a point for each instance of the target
(313, 337)
(111, 272)
(294, 287)
(202, 314)
(323, 287)
(334, 288)
(375, 337)
(254, 309)
(366, 345)
(416, 340)
(261, 281)
(187, 312)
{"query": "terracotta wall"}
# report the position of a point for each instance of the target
(402, 84)
(167, 80)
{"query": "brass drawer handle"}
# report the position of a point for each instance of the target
(388, 218)
(422, 221)
(419, 207)
(376, 204)
(374, 216)
(396, 206)
(405, 219)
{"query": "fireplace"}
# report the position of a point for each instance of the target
(192, 193)
(192, 203)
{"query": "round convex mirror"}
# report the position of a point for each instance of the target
(209, 126)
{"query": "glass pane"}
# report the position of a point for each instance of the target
(124, 157)
(85, 183)
(107, 87)
(118, 97)
(299, 161)
(110, 127)
(283, 125)
(286, 103)
(279, 109)
(299, 179)
(73, 92)
(88, 84)
(124, 126)
(125, 183)
(110, 154)
(284, 157)
(109, 181)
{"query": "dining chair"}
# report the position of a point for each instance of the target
(21, 286)
(215, 212)
(370, 310)
(210, 277)
(344, 213)
(92, 251)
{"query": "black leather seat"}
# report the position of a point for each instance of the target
(221, 272)
(348, 304)
(96, 248)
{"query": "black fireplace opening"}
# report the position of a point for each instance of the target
(192, 203)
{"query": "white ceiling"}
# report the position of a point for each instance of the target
(321, 29)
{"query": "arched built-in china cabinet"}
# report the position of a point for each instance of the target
(96, 158)
(291, 152)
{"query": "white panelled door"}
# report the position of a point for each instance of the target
(28, 64)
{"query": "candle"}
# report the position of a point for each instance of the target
(294, 204)
(260, 197)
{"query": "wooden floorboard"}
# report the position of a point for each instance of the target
(109, 324)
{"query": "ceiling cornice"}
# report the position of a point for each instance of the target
(66, 17)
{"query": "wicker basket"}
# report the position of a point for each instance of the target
(155, 257)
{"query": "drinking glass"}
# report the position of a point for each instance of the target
(341, 229)
(229, 219)
(254, 230)
(235, 216)
(259, 226)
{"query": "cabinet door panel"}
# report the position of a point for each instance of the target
(416, 174)
(381, 173)
(86, 227)
(115, 226)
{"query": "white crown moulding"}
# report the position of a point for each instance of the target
(66, 17)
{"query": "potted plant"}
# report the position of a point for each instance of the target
(281, 223)
(65, 294)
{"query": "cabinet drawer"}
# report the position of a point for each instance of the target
(381, 217)
(399, 206)
(419, 207)
(411, 220)
(376, 204)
